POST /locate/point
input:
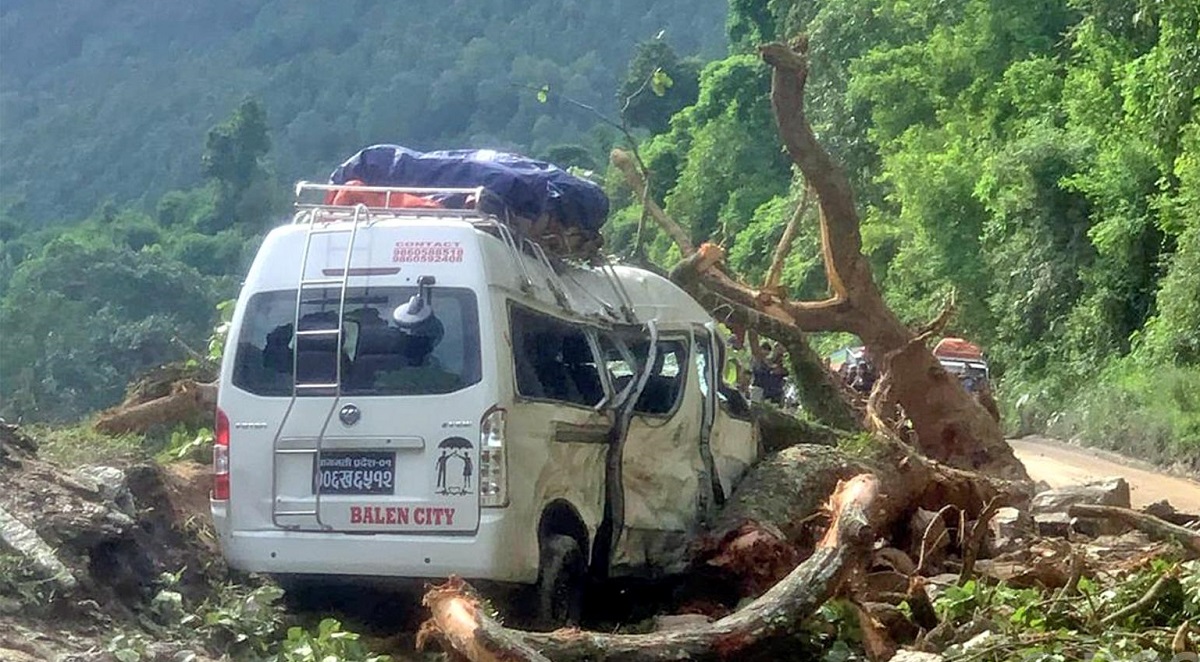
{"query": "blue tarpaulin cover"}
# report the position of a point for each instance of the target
(529, 188)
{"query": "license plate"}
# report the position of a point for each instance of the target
(342, 472)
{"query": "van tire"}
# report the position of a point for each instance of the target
(562, 575)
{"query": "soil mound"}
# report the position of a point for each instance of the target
(84, 552)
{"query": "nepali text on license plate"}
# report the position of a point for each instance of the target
(362, 472)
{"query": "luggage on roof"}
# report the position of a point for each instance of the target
(540, 192)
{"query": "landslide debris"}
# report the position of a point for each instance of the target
(85, 553)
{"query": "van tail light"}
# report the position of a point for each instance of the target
(220, 489)
(493, 461)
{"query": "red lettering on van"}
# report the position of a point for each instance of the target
(427, 251)
(401, 515)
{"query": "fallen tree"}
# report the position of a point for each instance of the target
(188, 400)
(948, 424)
(765, 528)
(755, 630)
(759, 534)
(1148, 524)
(762, 545)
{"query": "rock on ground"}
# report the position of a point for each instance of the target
(84, 551)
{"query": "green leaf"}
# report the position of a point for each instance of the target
(660, 82)
(543, 94)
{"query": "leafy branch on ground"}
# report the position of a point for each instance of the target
(239, 622)
(1150, 606)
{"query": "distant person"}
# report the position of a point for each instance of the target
(864, 379)
(850, 374)
(743, 383)
(768, 372)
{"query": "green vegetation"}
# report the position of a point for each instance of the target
(112, 101)
(1040, 159)
(80, 445)
(1097, 620)
(241, 623)
(1097, 624)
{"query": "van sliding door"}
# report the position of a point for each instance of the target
(662, 473)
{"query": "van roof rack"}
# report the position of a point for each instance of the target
(329, 202)
(481, 208)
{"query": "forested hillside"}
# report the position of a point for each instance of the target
(1039, 159)
(112, 99)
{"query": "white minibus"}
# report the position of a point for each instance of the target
(420, 392)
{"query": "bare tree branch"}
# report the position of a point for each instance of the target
(771, 284)
(633, 177)
(939, 323)
(841, 241)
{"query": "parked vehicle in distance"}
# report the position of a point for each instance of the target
(965, 360)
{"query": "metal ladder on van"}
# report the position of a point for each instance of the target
(361, 216)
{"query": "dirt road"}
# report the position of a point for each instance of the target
(1061, 464)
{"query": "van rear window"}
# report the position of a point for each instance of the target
(376, 357)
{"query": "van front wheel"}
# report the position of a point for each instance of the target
(562, 574)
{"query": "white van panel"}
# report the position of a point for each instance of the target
(480, 555)
(429, 441)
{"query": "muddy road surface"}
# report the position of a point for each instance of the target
(1061, 464)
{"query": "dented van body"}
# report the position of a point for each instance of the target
(562, 401)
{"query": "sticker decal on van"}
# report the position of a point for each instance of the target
(427, 251)
(454, 466)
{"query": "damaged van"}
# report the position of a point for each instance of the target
(425, 390)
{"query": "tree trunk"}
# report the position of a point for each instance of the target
(1149, 524)
(778, 430)
(188, 401)
(949, 425)
(761, 630)
(820, 395)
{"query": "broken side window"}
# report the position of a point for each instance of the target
(553, 359)
(664, 386)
